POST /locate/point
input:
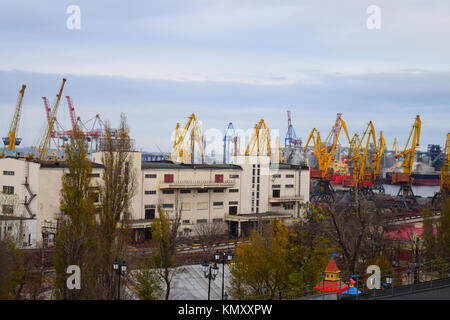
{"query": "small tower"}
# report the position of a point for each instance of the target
(332, 271)
(331, 279)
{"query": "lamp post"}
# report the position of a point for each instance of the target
(224, 258)
(323, 285)
(121, 269)
(264, 291)
(210, 272)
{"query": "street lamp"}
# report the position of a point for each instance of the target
(264, 291)
(120, 269)
(224, 258)
(210, 272)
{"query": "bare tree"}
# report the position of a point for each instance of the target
(210, 234)
(357, 230)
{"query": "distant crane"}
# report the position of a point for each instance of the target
(379, 152)
(229, 137)
(358, 154)
(259, 139)
(290, 141)
(42, 149)
(186, 143)
(324, 192)
(444, 191)
(405, 198)
(12, 140)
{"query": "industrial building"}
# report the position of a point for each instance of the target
(240, 194)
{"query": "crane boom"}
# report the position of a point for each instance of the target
(179, 151)
(323, 152)
(45, 140)
(261, 139)
(408, 153)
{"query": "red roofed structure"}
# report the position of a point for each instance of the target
(331, 282)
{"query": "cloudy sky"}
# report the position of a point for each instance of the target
(230, 61)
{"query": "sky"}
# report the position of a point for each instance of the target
(229, 61)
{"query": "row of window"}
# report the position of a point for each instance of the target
(203, 220)
(169, 177)
(8, 173)
(279, 176)
(277, 186)
(170, 205)
(170, 191)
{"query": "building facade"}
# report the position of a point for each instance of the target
(240, 194)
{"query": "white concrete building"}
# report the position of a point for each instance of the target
(240, 194)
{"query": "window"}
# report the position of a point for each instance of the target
(290, 176)
(217, 220)
(232, 210)
(275, 186)
(8, 189)
(276, 204)
(168, 178)
(186, 221)
(150, 206)
(232, 202)
(234, 176)
(167, 205)
(276, 176)
(276, 193)
(149, 214)
(289, 186)
(7, 209)
(95, 175)
(218, 190)
(202, 191)
(150, 176)
(185, 191)
(218, 178)
(168, 192)
(202, 220)
(288, 206)
(218, 203)
(8, 173)
(150, 191)
(233, 190)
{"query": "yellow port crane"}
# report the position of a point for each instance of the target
(259, 139)
(183, 147)
(324, 151)
(379, 152)
(405, 198)
(10, 142)
(395, 147)
(358, 154)
(42, 151)
(445, 169)
(445, 176)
